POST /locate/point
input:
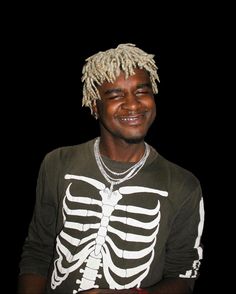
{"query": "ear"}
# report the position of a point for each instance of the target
(95, 109)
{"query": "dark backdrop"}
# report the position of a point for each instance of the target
(45, 55)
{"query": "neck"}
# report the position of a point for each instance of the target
(121, 150)
(113, 177)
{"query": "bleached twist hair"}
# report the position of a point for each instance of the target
(107, 65)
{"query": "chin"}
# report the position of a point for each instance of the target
(134, 140)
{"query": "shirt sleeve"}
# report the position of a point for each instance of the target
(38, 247)
(184, 248)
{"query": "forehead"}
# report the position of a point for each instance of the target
(139, 76)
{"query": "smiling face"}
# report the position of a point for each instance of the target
(127, 107)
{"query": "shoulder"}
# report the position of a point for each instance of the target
(67, 152)
(177, 178)
(65, 156)
(178, 171)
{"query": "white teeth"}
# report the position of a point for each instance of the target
(129, 118)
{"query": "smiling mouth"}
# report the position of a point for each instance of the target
(132, 120)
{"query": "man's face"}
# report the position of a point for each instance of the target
(127, 107)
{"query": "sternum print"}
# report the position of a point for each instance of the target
(102, 232)
(90, 273)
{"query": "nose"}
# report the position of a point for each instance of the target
(131, 102)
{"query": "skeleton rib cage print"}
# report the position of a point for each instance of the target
(105, 238)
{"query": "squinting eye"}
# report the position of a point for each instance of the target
(115, 97)
(143, 92)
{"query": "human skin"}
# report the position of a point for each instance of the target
(126, 111)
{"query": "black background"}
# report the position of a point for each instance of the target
(45, 51)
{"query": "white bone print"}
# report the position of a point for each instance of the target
(94, 245)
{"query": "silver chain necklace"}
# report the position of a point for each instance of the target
(128, 174)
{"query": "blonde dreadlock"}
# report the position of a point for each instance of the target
(107, 65)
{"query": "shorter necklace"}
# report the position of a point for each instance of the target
(128, 174)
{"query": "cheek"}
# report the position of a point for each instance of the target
(151, 105)
(152, 112)
(153, 115)
(108, 110)
(100, 108)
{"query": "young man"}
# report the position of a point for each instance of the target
(112, 215)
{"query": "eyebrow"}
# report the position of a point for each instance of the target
(113, 90)
(118, 90)
(144, 85)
